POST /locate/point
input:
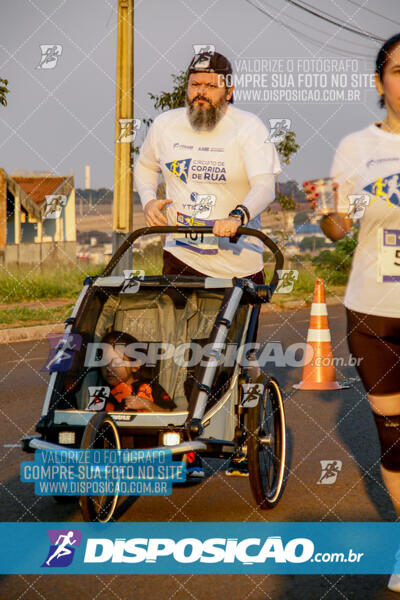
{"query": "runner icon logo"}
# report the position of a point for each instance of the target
(98, 395)
(131, 284)
(287, 278)
(203, 48)
(180, 168)
(329, 471)
(357, 205)
(53, 206)
(128, 130)
(50, 55)
(278, 129)
(62, 547)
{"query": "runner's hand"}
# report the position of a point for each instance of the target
(153, 212)
(226, 227)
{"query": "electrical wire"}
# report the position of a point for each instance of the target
(312, 40)
(319, 30)
(331, 20)
(374, 12)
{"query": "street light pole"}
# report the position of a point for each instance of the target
(123, 171)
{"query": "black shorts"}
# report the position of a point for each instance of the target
(376, 341)
(174, 266)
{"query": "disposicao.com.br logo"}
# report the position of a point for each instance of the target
(247, 551)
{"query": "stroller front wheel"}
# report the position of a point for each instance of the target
(266, 444)
(100, 433)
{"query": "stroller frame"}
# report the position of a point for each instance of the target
(250, 424)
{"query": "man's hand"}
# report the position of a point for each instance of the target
(226, 227)
(153, 212)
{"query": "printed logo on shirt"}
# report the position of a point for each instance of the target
(198, 170)
(202, 204)
(387, 188)
(209, 149)
(180, 168)
(208, 170)
(377, 161)
(178, 146)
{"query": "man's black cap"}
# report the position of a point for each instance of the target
(210, 62)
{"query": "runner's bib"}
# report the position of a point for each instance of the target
(388, 255)
(202, 243)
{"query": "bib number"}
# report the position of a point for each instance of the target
(388, 255)
(194, 241)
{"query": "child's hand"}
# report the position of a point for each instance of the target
(136, 403)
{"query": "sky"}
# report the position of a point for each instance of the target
(62, 119)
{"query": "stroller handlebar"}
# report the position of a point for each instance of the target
(160, 229)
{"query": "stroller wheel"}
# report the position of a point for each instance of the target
(266, 444)
(100, 433)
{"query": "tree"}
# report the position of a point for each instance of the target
(174, 99)
(285, 148)
(334, 266)
(168, 100)
(3, 91)
(312, 242)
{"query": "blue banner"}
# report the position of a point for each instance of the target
(70, 472)
(200, 548)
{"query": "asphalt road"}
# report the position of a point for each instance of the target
(321, 426)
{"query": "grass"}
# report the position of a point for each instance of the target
(304, 287)
(23, 316)
(28, 285)
(19, 285)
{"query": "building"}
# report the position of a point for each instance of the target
(37, 218)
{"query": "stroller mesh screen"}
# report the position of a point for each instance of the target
(155, 316)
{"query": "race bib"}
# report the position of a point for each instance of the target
(388, 255)
(196, 242)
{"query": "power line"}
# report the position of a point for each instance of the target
(330, 19)
(305, 36)
(317, 29)
(374, 12)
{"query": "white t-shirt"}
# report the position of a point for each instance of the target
(367, 162)
(207, 175)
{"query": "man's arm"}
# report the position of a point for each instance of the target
(147, 169)
(261, 194)
(261, 162)
(146, 180)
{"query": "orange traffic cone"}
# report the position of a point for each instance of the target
(319, 371)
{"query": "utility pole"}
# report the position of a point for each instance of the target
(123, 171)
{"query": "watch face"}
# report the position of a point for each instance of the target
(237, 213)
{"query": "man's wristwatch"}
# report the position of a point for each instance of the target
(240, 213)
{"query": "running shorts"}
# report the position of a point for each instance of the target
(376, 341)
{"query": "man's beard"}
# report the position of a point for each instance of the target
(205, 118)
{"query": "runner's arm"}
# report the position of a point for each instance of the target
(261, 194)
(147, 169)
(261, 162)
(344, 169)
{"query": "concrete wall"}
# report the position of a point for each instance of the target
(47, 253)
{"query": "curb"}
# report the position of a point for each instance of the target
(26, 334)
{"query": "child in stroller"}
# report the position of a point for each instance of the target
(131, 388)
